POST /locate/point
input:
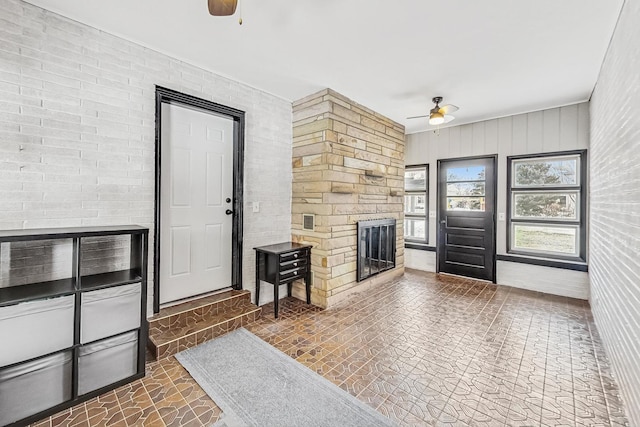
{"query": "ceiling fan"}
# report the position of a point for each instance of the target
(222, 7)
(438, 114)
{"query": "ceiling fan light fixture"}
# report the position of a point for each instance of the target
(436, 118)
(438, 115)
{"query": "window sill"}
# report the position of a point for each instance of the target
(567, 265)
(419, 246)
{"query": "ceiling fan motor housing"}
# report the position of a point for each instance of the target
(222, 7)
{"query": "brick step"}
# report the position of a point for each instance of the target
(186, 325)
(196, 310)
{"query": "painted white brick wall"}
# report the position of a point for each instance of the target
(555, 129)
(77, 135)
(615, 206)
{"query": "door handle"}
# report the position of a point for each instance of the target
(228, 212)
(444, 221)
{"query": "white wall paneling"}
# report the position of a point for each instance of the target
(556, 129)
(420, 260)
(567, 283)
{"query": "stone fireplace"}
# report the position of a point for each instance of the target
(348, 166)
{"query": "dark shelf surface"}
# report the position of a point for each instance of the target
(280, 248)
(68, 233)
(35, 291)
(55, 288)
(112, 278)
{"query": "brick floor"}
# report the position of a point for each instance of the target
(423, 350)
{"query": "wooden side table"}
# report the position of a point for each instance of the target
(283, 263)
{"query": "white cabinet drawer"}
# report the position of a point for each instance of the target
(35, 328)
(31, 387)
(104, 362)
(109, 311)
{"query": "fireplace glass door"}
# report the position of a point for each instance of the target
(376, 247)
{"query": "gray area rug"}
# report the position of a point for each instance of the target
(257, 385)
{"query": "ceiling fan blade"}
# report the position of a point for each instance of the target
(448, 109)
(448, 118)
(418, 117)
(222, 7)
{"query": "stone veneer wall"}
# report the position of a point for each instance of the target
(348, 165)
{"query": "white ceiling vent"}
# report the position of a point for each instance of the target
(308, 222)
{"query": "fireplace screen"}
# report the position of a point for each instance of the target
(376, 247)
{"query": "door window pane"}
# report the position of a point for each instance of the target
(415, 229)
(465, 204)
(547, 205)
(545, 238)
(469, 173)
(546, 171)
(415, 180)
(415, 204)
(466, 189)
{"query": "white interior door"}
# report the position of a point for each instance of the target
(196, 191)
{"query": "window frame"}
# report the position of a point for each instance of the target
(424, 216)
(581, 205)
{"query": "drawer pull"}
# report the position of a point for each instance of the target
(295, 255)
(295, 264)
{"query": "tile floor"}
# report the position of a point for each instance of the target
(422, 350)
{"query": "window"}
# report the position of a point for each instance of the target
(416, 203)
(546, 206)
(465, 189)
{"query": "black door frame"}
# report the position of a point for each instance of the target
(494, 157)
(169, 96)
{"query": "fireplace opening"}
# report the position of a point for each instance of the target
(376, 247)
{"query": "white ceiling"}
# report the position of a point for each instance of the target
(491, 58)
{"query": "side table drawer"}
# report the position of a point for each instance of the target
(287, 276)
(296, 263)
(291, 256)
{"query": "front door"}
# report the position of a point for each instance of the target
(196, 204)
(466, 217)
